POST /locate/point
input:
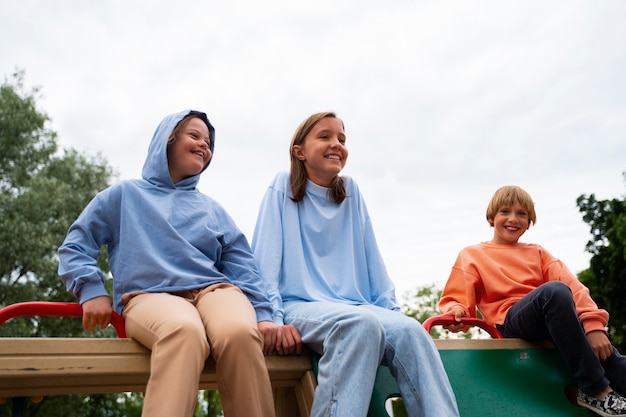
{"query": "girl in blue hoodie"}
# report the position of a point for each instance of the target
(184, 277)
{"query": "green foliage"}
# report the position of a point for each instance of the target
(110, 405)
(421, 303)
(42, 191)
(209, 404)
(26, 142)
(81, 406)
(606, 276)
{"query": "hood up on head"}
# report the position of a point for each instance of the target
(155, 169)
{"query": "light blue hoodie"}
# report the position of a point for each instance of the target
(160, 236)
(318, 250)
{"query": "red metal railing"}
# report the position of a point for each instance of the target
(57, 309)
(445, 320)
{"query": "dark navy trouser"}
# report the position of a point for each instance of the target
(548, 312)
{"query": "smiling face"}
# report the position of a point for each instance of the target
(189, 153)
(323, 152)
(509, 223)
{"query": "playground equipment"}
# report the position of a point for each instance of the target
(490, 377)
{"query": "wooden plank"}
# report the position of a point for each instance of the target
(464, 344)
(60, 366)
(304, 392)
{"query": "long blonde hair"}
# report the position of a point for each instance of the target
(337, 191)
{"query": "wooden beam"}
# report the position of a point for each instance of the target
(61, 366)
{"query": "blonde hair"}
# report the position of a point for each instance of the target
(337, 191)
(507, 196)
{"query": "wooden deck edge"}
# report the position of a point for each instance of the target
(465, 344)
(61, 366)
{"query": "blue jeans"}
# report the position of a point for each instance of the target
(548, 312)
(353, 342)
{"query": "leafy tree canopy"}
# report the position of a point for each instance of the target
(606, 275)
(42, 191)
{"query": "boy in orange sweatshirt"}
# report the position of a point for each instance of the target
(527, 293)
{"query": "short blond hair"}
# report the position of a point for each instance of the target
(507, 196)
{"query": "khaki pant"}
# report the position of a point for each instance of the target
(182, 329)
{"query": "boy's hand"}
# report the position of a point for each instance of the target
(600, 344)
(97, 312)
(458, 313)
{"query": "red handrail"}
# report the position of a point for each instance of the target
(55, 309)
(445, 320)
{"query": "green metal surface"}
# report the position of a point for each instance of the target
(385, 387)
(505, 382)
(533, 382)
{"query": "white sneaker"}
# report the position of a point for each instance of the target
(612, 405)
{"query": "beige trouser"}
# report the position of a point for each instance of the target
(182, 329)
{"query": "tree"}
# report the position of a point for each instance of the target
(421, 303)
(606, 275)
(42, 191)
(209, 404)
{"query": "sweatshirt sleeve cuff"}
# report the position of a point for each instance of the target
(593, 325)
(89, 292)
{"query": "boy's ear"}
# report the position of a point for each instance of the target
(296, 151)
(490, 221)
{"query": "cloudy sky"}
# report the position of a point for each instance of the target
(443, 102)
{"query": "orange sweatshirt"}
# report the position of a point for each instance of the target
(492, 277)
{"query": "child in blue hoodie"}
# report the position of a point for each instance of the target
(184, 276)
(315, 246)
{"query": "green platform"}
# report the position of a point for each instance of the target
(497, 378)
(509, 378)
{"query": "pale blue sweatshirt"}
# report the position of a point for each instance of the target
(160, 237)
(317, 250)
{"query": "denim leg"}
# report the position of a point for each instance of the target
(351, 340)
(615, 369)
(548, 312)
(414, 360)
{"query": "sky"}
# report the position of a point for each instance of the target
(443, 103)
